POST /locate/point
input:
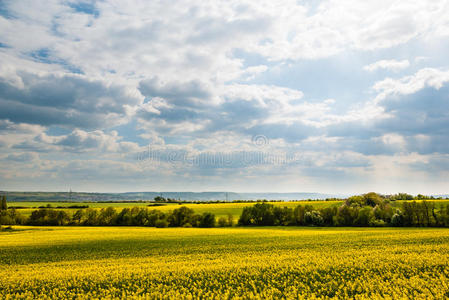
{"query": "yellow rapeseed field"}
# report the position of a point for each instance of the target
(224, 263)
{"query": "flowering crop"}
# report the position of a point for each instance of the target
(224, 263)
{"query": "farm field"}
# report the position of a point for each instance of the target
(264, 263)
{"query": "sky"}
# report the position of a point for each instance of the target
(248, 96)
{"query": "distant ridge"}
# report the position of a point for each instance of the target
(189, 196)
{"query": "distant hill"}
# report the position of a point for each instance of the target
(191, 196)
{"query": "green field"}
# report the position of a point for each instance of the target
(224, 263)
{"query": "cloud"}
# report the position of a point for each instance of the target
(190, 107)
(100, 79)
(439, 164)
(415, 118)
(392, 65)
(9, 127)
(81, 141)
(69, 100)
(181, 94)
(427, 77)
(23, 157)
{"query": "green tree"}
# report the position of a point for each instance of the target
(313, 218)
(181, 216)
(346, 215)
(328, 214)
(260, 214)
(444, 215)
(107, 216)
(78, 216)
(91, 217)
(222, 222)
(365, 216)
(283, 216)
(155, 215)
(372, 199)
(409, 217)
(3, 204)
(160, 199)
(355, 201)
(207, 220)
(161, 223)
(397, 219)
(230, 218)
(299, 213)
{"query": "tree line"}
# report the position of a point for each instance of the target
(370, 209)
(136, 216)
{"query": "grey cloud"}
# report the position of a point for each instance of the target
(425, 112)
(420, 119)
(429, 144)
(67, 92)
(32, 146)
(22, 157)
(189, 101)
(434, 165)
(177, 93)
(173, 115)
(31, 114)
(71, 101)
(76, 140)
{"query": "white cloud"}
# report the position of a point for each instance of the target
(135, 38)
(392, 65)
(427, 77)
